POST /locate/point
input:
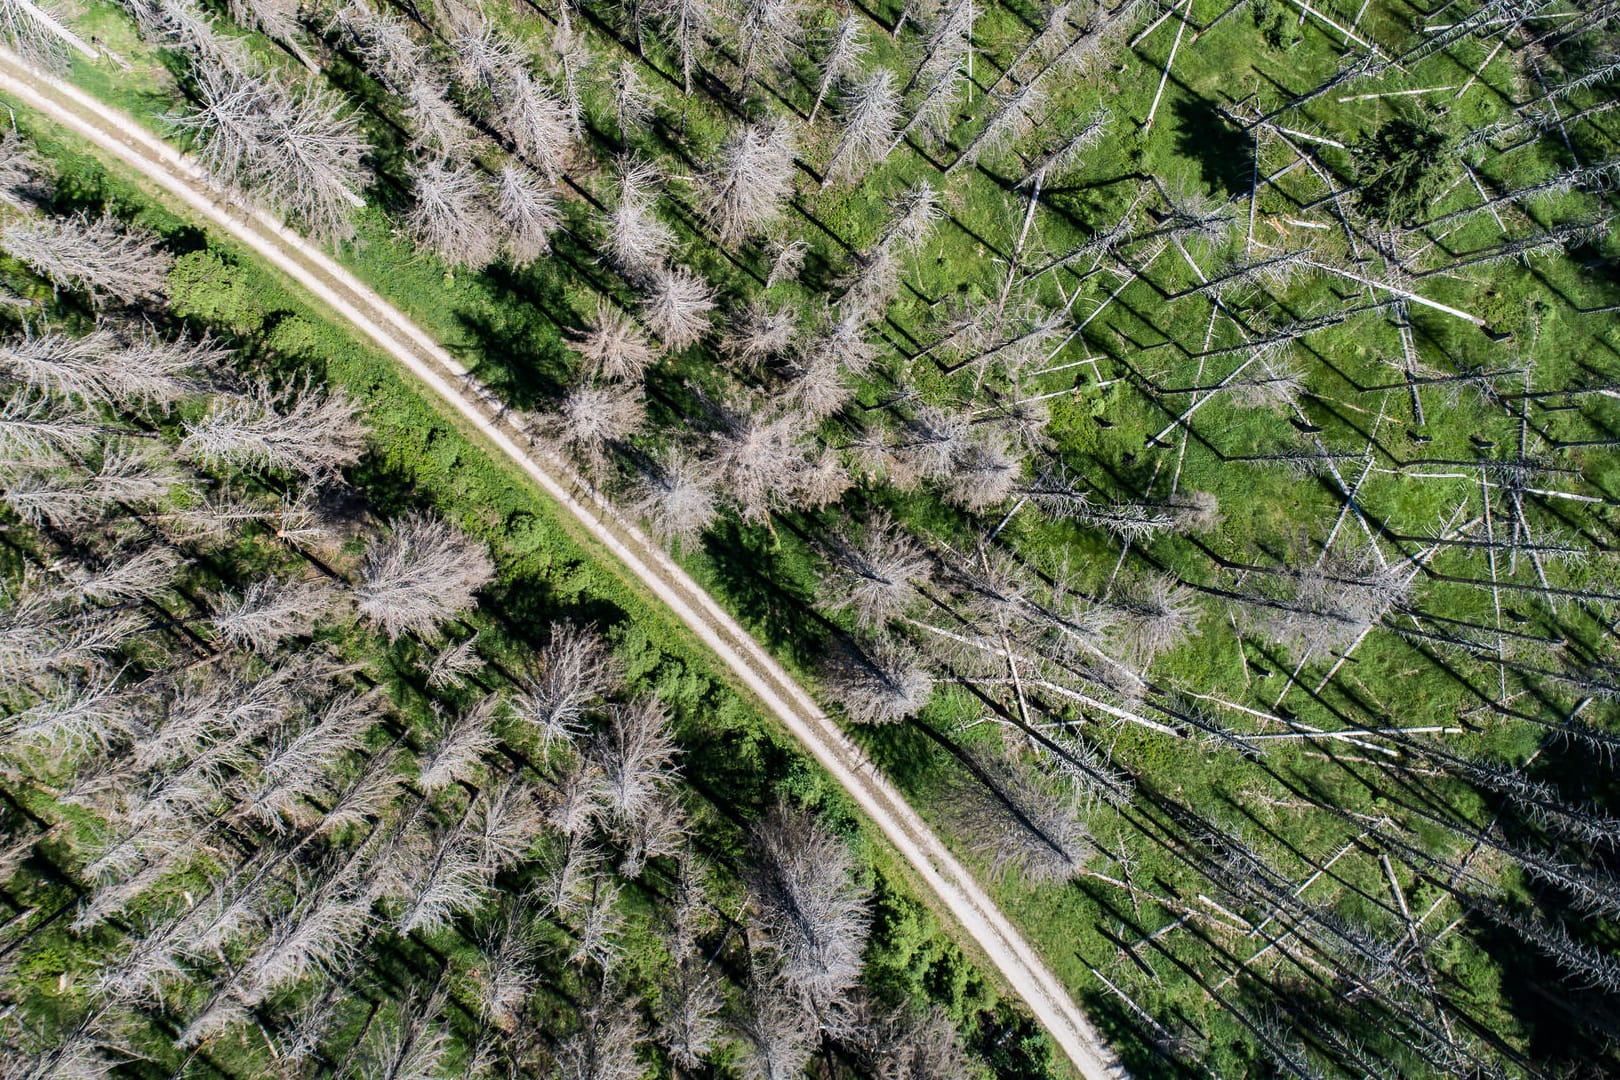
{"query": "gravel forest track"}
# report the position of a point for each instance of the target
(119, 136)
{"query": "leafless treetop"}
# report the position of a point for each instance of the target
(614, 346)
(300, 151)
(451, 215)
(577, 671)
(677, 495)
(874, 577)
(812, 911)
(424, 572)
(102, 256)
(745, 191)
(677, 307)
(880, 684)
(300, 429)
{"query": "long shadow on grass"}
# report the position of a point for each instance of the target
(751, 572)
(519, 354)
(1224, 154)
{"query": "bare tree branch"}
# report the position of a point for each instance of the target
(422, 574)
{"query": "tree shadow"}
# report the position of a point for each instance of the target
(1225, 155)
(753, 578)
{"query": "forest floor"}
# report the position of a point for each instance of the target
(113, 133)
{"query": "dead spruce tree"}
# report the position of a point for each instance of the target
(116, 471)
(947, 37)
(1328, 603)
(129, 573)
(459, 746)
(450, 878)
(528, 213)
(1154, 615)
(905, 1044)
(1065, 154)
(576, 673)
(438, 129)
(941, 66)
(882, 684)
(846, 49)
(983, 475)
(179, 23)
(1056, 29)
(300, 429)
(100, 256)
(614, 346)
(605, 1046)
(423, 573)
(767, 30)
(663, 832)
(743, 194)
(818, 388)
(637, 241)
(599, 927)
(778, 1033)
(843, 343)
(1060, 495)
(916, 211)
(276, 19)
(270, 611)
(322, 936)
(758, 334)
(483, 53)
(812, 914)
(25, 184)
(874, 576)
(71, 717)
(689, 23)
(763, 459)
(635, 751)
(691, 999)
(212, 518)
(36, 32)
(408, 1042)
(108, 367)
(299, 151)
(538, 125)
(787, 261)
(569, 55)
(382, 39)
(300, 759)
(595, 419)
(869, 286)
(451, 215)
(633, 102)
(676, 495)
(1017, 823)
(1012, 119)
(871, 114)
(974, 467)
(509, 968)
(676, 307)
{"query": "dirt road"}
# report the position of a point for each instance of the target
(120, 136)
